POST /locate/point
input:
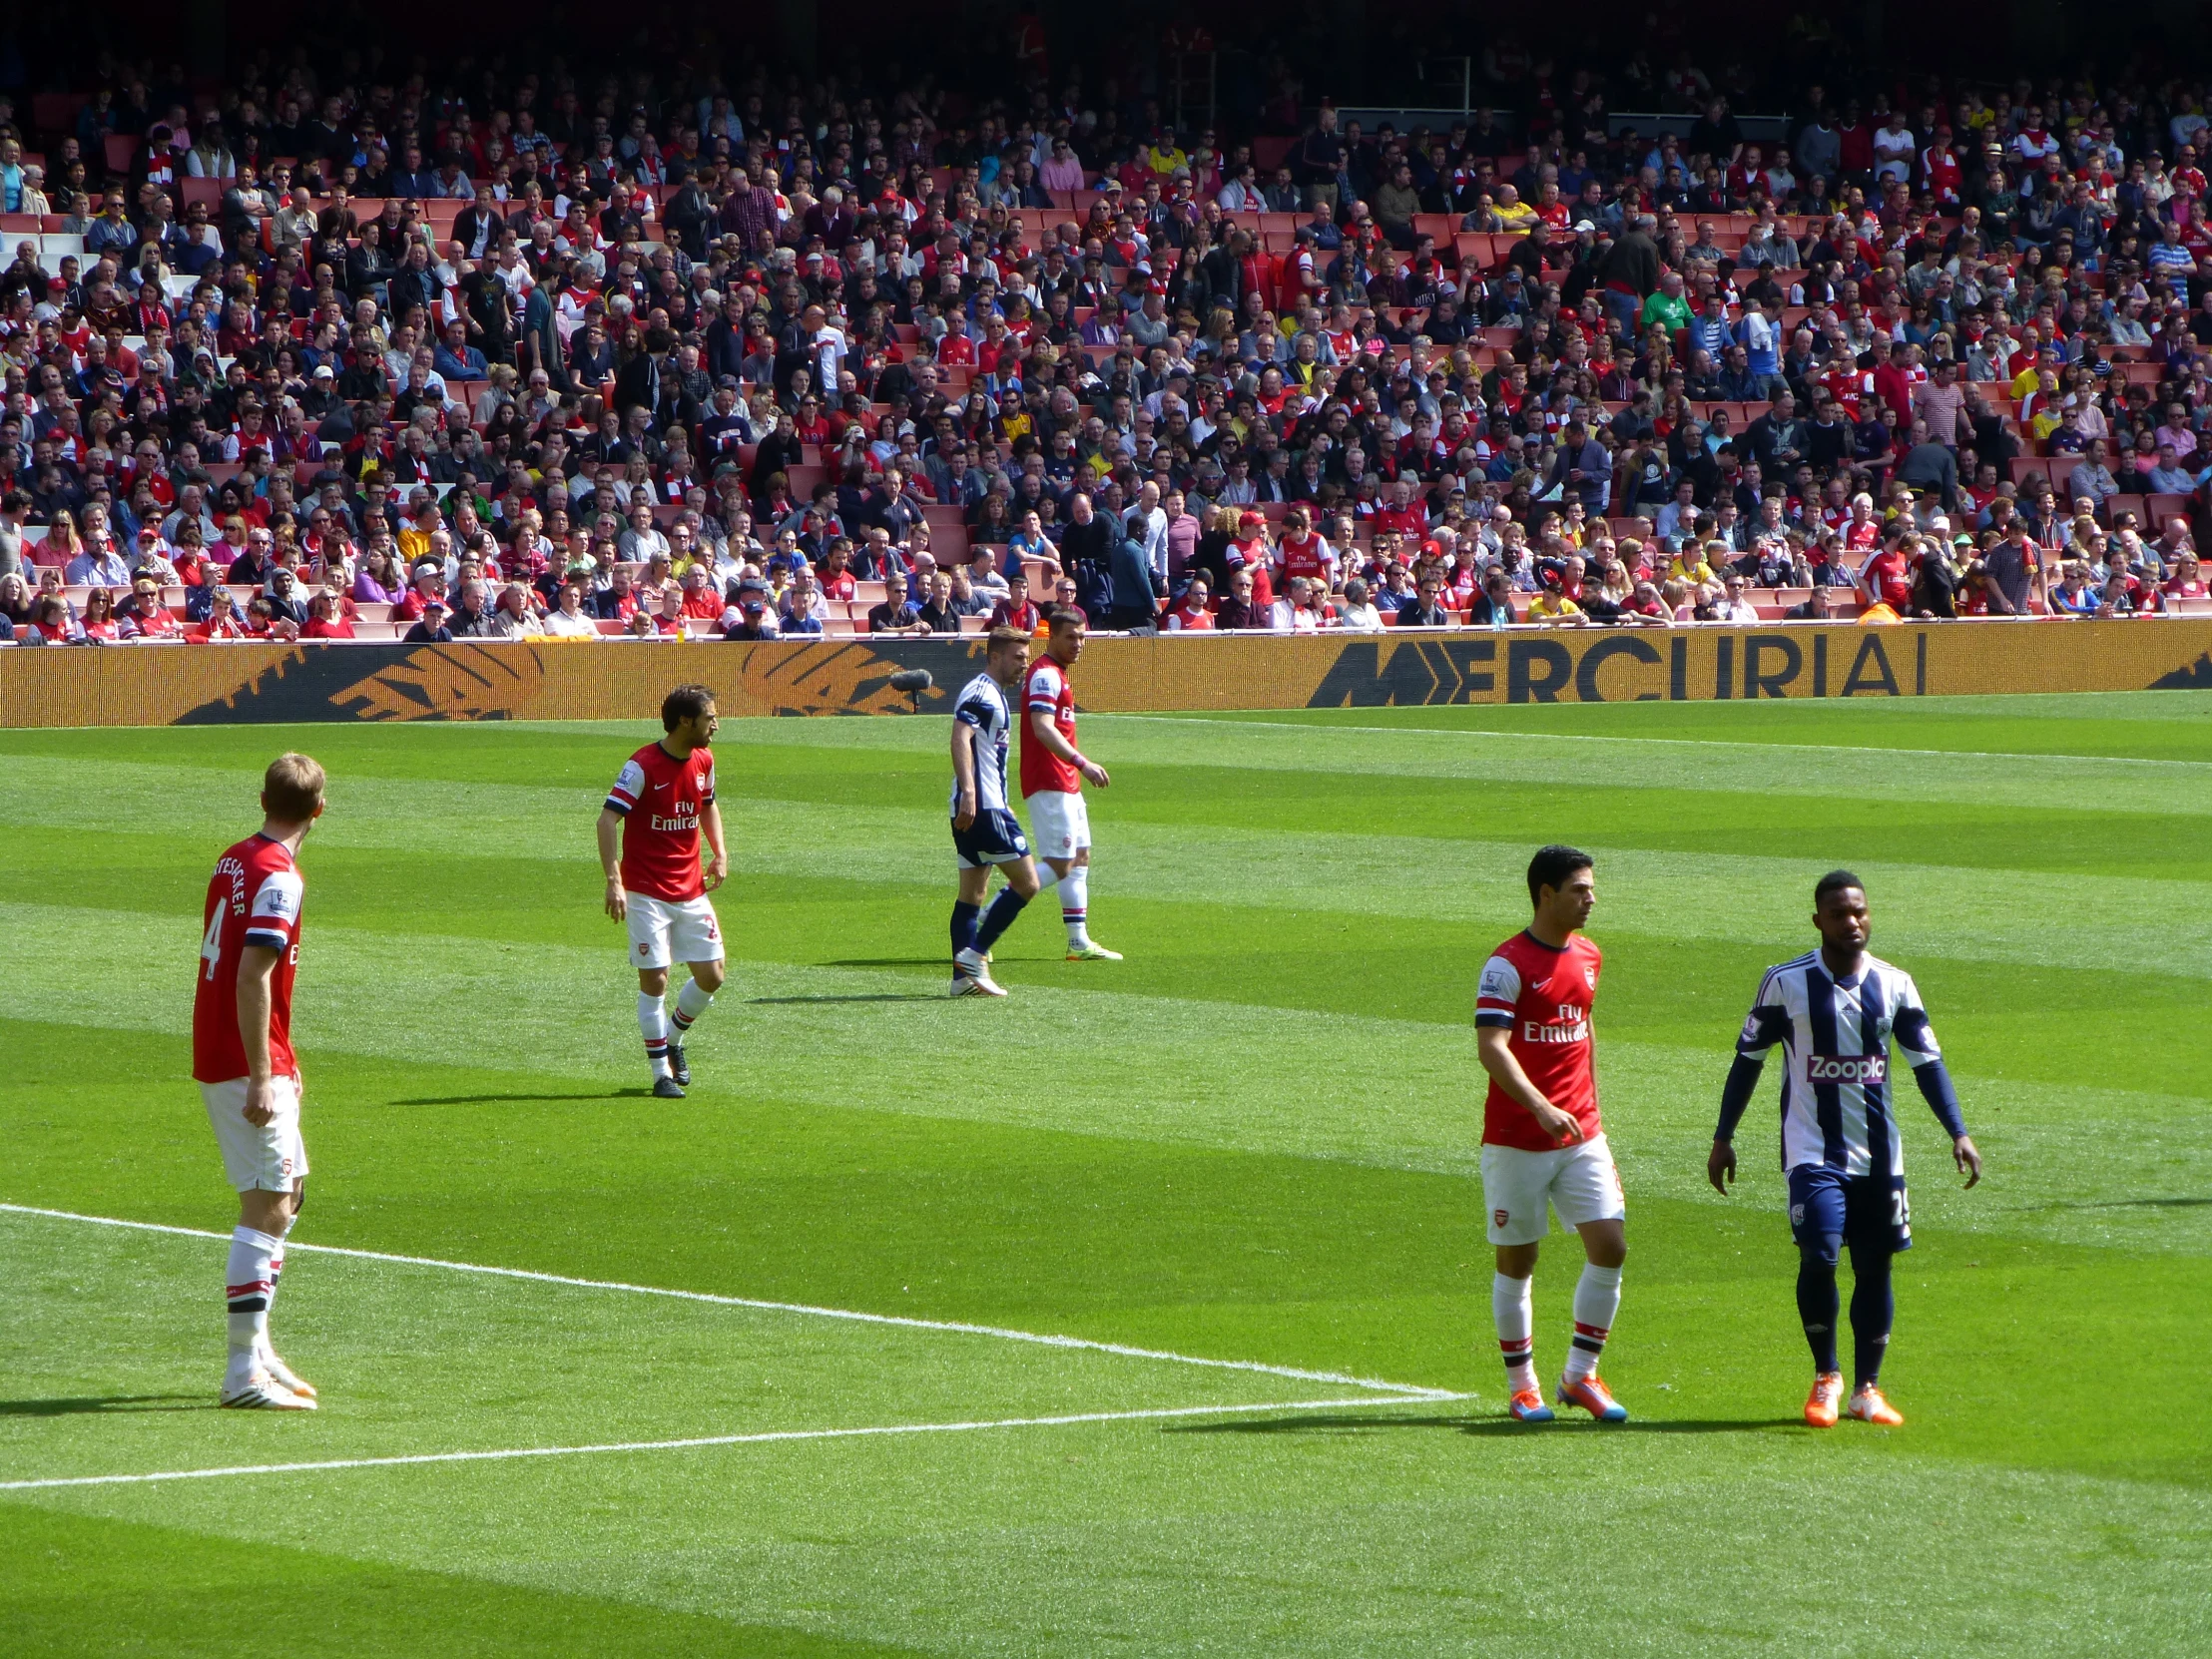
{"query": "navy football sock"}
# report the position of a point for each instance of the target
(1873, 1310)
(999, 918)
(1818, 1304)
(964, 926)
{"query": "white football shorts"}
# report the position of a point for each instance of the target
(1059, 825)
(659, 926)
(269, 1157)
(1578, 1181)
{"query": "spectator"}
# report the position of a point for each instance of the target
(1428, 609)
(1237, 610)
(569, 618)
(1190, 613)
(896, 615)
(1357, 612)
(1014, 611)
(431, 627)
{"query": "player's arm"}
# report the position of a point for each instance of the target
(717, 856)
(1493, 1043)
(1045, 731)
(610, 860)
(1918, 1039)
(256, 966)
(963, 773)
(1767, 1024)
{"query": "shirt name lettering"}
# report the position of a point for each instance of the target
(1846, 1068)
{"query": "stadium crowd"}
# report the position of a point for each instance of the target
(327, 354)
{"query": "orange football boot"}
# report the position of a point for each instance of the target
(1868, 1405)
(1820, 1404)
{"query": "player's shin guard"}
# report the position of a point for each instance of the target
(1597, 1298)
(248, 1282)
(691, 1003)
(999, 918)
(1512, 1309)
(1818, 1304)
(963, 926)
(1075, 905)
(1873, 1310)
(277, 1271)
(653, 1024)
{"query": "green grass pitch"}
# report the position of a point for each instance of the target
(1254, 1141)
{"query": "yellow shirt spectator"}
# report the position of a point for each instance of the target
(1548, 606)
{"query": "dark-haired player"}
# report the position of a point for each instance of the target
(1543, 1144)
(1836, 1011)
(985, 833)
(664, 796)
(242, 1058)
(1053, 773)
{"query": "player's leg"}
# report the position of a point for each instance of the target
(653, 1029)
(650, 925)
(1075, 912)
(263, 1219)
(1875, 1231)
(1062, 823)
(695, 997)
(1586, 1191)
(292, 1158)
(967, 906)
(1512, 1192)
(1021, 887)
(696, 936)
(993, 841)
(1816, 1222)
(271, 1360)
(254, 1158)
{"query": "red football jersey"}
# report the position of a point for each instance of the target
(253, 897)
(1543, 996)
(1046, 686)
(660, 798)
(1308, 556)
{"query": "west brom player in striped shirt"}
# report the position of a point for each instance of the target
(1836, 1011)
(985, 833)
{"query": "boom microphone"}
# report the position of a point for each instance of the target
(913, 680)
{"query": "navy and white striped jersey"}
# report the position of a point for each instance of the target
(982, 705)
(1838, 1111)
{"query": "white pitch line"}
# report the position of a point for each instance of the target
(705, 1441)
(1408, 1390)
(1308, 727)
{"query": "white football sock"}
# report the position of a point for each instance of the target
(1075, 901)
(1597, 1298)
(691, 1003)
(1512, 1308)
(276, 1283)
(245, 1289)
(653, 1022)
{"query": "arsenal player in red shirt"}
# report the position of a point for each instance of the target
(659, 804)
(1543, 1144)
(242, 1058)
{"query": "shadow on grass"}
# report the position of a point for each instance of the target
(1485, 1425)
(510, 1099)
(888, 961)
(2125, 1203)
(68, 1406)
